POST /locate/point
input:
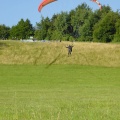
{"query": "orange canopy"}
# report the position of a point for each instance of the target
(43, 3)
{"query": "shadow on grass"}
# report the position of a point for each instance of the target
(53, 61)
(2, 45)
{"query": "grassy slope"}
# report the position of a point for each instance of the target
(60, 92)
(96, 54)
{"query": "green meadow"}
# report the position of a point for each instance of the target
(38, 81)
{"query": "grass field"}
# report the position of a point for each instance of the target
(60, 92)
(38, 81)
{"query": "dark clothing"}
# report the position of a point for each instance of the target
(69, 49)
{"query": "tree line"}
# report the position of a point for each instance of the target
(80, 24)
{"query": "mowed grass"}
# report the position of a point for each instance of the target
(59, 92)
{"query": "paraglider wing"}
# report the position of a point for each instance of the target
(43, 3)
(96, 1)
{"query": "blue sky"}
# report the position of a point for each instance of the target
(12, 11)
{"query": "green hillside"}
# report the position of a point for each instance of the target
(96, 54)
